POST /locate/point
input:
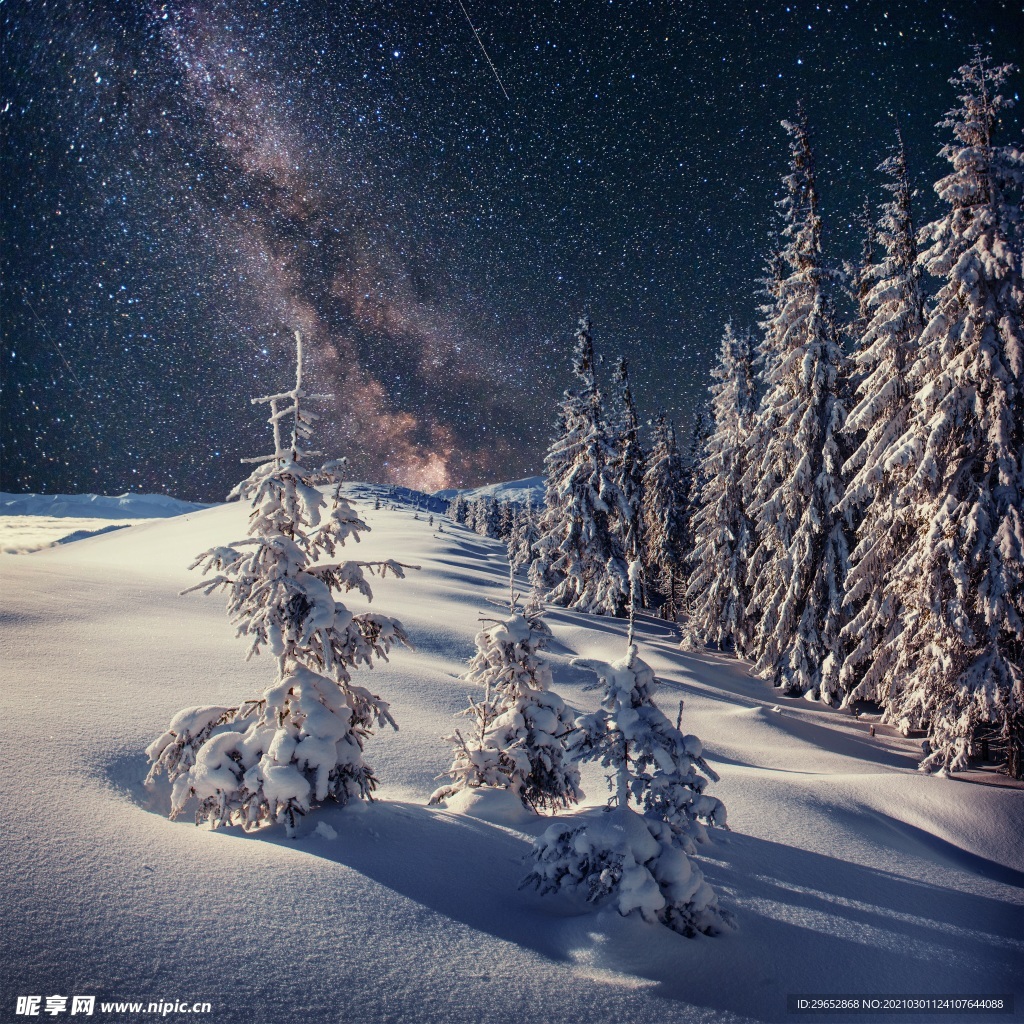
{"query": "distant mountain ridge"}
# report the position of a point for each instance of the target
(510, 490)
(96, 506)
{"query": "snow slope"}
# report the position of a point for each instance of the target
(847, 870)
(29, 522)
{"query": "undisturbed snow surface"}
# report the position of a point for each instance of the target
(848, 871)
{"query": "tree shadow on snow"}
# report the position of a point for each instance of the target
(810, 923)
(807, 922)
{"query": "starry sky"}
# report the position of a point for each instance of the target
(430, 192)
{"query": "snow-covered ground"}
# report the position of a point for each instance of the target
(29, 522)
(847, 870)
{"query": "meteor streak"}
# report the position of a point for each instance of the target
(487, 56)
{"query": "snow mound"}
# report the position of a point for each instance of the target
(498, 806)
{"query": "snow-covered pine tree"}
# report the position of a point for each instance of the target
(458, 509)
(763, 421)
(522, 542)
(542, 574)
(506, 519)
(892, 312)
(693, 483)
(801, 547)
(477, 762)
(718, 590)
(962, 582)
(494, 519)
(637, 861)
(665, 517)
(630, 735)
(578, 550)
(301, 742)
(865, 274)
(629, 465)
(857, 282)
(482, 515)
(521, 726)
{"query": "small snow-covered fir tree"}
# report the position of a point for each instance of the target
(718, 589)
(477, 761)
(578, 549)
(962, 581)
(662, 770)
(301, 741)
(637, 860)
(665, 519)
(518, 740)
(801, 550)
(892, 312)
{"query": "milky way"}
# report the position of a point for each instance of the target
(186, 184)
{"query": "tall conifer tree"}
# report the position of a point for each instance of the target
(797, 581)
(628, 466)
(718, 587)
(578, 550)
(665, 519)
(962, 583)
(892, 312)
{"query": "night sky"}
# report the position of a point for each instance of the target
(185, 184)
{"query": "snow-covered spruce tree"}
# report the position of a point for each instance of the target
(962, 582)
(863, 276)
(301, 741)
(477, 762)
(522, 543)
(458, 509)
(542, 575)
(665, 519)
(891, 310)
(763, 421)
(495, 519)
(637, 861)
(520, 727)
(482, 515)
(578, 548)
(628, 520)
(718, 590)
(801, 553)
(693, 483)
(507, 519)
(471, 513)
